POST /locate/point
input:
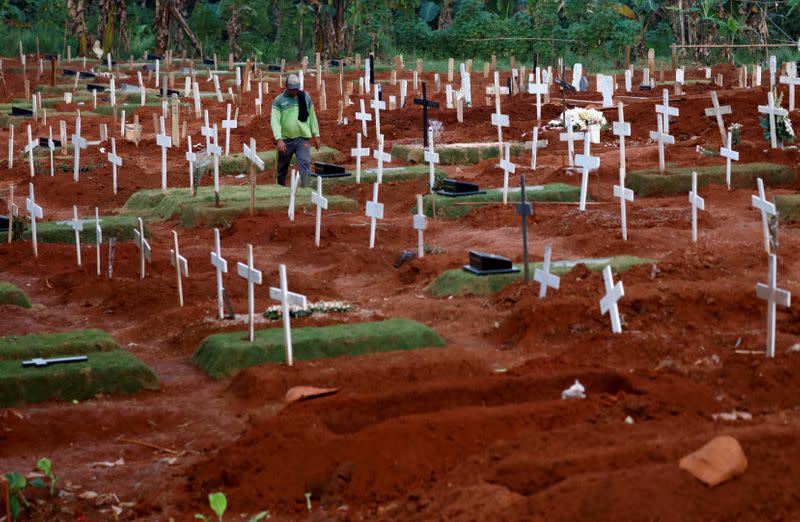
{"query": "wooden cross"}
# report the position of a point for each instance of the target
(535, 144)
(791, 80)
(191, 157)
(587, 162)
(773, 111)
(624, 194)
(322, 203)
(180, 263)
(29, 148)
(253, 277)
(608, 304)
(359, 153)
(666, 111)
(51, 147)
(773, 295)
(13, 211)
(145, 252)
(622, 129)
(570, 137)
(381, 157)
(420, 224)
(98, 236)
(255, 161)
(76, 225)
(498, 119)
(164, 141)
(374, 211)
(717, 111)
(508, 168)
(216, 151)
(543, 275)
(538, 88)
(663, 138)
(221, 267)
(767, 209)
(377, 104)
(35, 212)
(425, 103)
(432, 158)
(115, 161)
(228, 124)
(524, 209)
(729, 154)
(364, 117)
(697, 203)
(287, 299)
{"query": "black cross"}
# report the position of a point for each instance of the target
(371, 68)
(524, 209)
(425, 102)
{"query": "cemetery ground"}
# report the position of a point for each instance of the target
(474, 430)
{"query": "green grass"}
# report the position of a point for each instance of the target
(390, 174)
(458, 282)
(41, 163)
(234, 201)
(452, 154)
(453, 208)
(650, 182)
(788, 207)
(238, 164)
(120, 227)
(105, 372)
(11, 295)
(223, 355)
(73, 342)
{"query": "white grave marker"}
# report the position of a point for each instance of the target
(420, 223)
(729, 154)
(608, 304)
(29, 148)
(717, 111)
(543, 275)
(570, 136)
(164, 141)
(116, 162)
(587, 162)
(535, 144)
(364, 117)
(220, 267)
(35, 212)
(773, 111)
(145, 252)
(697, 203)
(359, 153)
(662, 138)
(773, 295)
(538, 88)
(374, 211)
(293, 184)
(322, 203)
(191, 158)
(180, 263)
(98, 236)
(432, 158)
(253, 277)
(498, 119)
(666, 111)
(767, 209)
(287, 299)
(378, 105)
(229, 124)
(77, 226)
(508, 168)
(78, 143)
(381, 157)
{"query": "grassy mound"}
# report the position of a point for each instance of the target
(41, 163)
(74, 342)
(234, 201)
(457, 282)
(238, 164)
(222, 355)
(390, 174)
(650, 182)
(788, 207)
(453, 208)
(11, 295)
(453, 154)
(120, 227)
(104, 372)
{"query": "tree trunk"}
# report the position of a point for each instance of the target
(77, 13)
(318, 37)
(161, 26)
(234, 29)
(446, 14)
(339, 29)
(122, 11)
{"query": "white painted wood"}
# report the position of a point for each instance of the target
(359, 153)
(608, 304)
(374, 211)
(35, 212)
(253, 277)
(697, 203)
(587, 162)
(543, 275)
(767, 209)
(287, 299)
(730, 155)
(220, 267)
(322, 204)
(774, 296)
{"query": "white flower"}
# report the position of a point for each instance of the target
(581, 119)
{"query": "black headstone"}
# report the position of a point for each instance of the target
(329, 170)
(644, 87)
(482, 263)
(170, 92)
(455, 188)
(334, 63)
(95, 87)
(151, 56)
(43, 142)
(69, 72)
(274, 68)
(208, 61)
(3, 224)
(21, 111)
(88, 75)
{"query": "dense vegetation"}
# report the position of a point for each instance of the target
(595, 30)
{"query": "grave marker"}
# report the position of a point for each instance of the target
(666, 111)
(145, 252)
(220, 267)
(374, 211)
(255, 161)
(13, 211)
(767, 209)
(543, 275)
(229, 124)
(717, 111)
(608, 304)
(164, 141)
(535, 144)
(570, 136)
(508, 168)
(115, 161)
(29, 148)
(773, 295)
(98, 236)
(10, 146)
(587, 162)
(359, 153)
(524, 209)
(537, 88)
(696, 202)
(420, 224)
(78, 143)
(377, 104)
(322, 203)
(191, 158)
(729, 154)
(772, 111)
(432, 158)
(253, 277)
(662, 138)
(498, 119)
(364, 117)
(180, 263)
(287, 299)
(621, 129)
(792, 80)
(381, 157)
(35, 212)
(425, 103)
(295, 180)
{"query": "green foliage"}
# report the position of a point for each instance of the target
(45, 466)
(16, 488)
(783, 125)
(218, 503)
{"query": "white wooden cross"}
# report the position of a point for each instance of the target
(207, 130)
(221, 267)
(322, 203)
(605, 84)
(293, 184)
(624, 194)
(374, 211)
(773, 111)
(538, 88)
(78, 142)
(191, 157)
(29, 148)
(115, 161)
(378, 105)
(718, 111)
(216, 151)
(229, 124)
(587, 162)
(729, 154)
(260, 98)
(543, 275)
(432, 158)
(180, 263)
(621, 129)
(253, 277)
(98, 236)
(570, 137)
(164, 141)
(508, 168)
(287, 299)
(51, 147)
(77, 226)
(608, 304)
(10, 146)
(420, 223)
(359, 153)
(663, 138)
(364, 117)
(498, 119)
(773, 295)
(255, 161)
(773, 69)
(35, 212)
(666, 111)
(535, 144)
(697, 203)
(792, 80)
(766, 208)
(217, 89)
(145, 252)
(382, 157)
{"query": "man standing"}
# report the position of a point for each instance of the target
(293, 125)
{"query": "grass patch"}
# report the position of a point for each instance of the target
(120, 227)
(11, 295)
(234, 201)
(73, 342)
(453, 208)
(105, 372)
(41, 163)
(458, 282)
(454, 154)
(788, 207)
(238, 164)
(223, 355)
(390, 174)
(651, 182)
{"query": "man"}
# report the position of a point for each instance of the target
(294, 123)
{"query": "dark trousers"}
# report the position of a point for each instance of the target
(300, 147)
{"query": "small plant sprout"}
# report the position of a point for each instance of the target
(45, 466)
(308, 501)
(218, 503)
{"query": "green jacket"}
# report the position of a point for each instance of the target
(284, 122)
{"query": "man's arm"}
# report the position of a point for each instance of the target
(275, 123)
(313, 125)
